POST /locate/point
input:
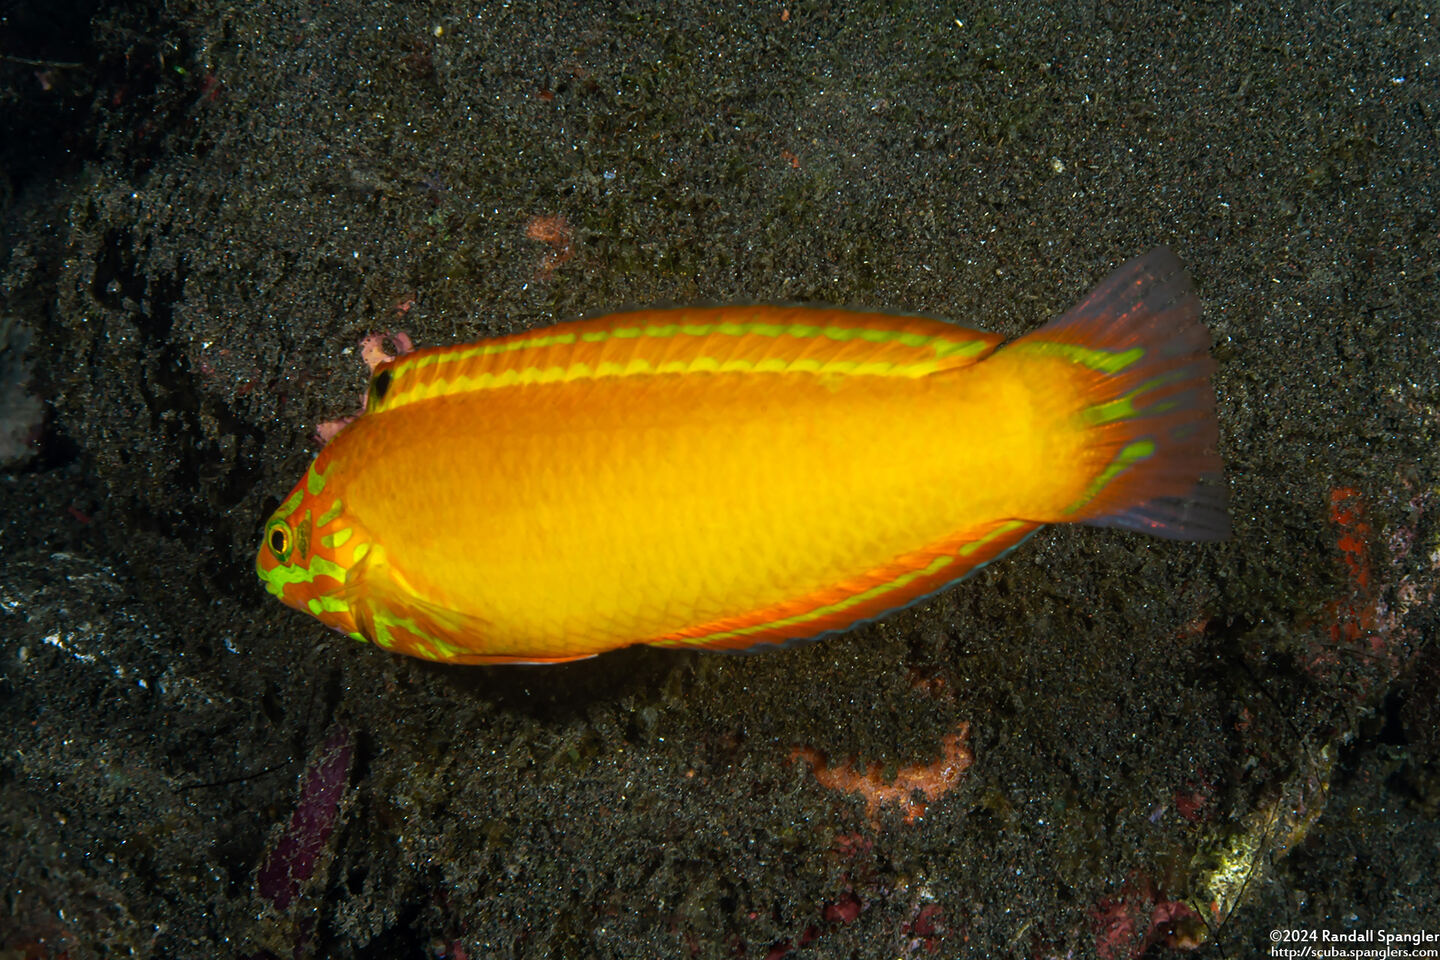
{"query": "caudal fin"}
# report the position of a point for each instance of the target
(1147, 405)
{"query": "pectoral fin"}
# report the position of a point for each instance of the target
(390, 613)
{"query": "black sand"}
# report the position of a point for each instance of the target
(204, 210)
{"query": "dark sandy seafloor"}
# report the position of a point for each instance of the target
(1177, 748)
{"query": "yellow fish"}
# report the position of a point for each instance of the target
(726, 477)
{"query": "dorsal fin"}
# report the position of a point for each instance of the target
(825, 341)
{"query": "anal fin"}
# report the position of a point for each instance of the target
(869, 596)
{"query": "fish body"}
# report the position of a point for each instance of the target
(728, 477)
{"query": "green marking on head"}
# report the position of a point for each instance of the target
(279, 577)
(291, 504)
(263, 574)
(315, 480)
(327, 604)
(335, 510)
(427, 645)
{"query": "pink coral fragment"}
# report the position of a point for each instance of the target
(373, 352)
(292, 860)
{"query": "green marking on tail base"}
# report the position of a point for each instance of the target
(1124, 408)
(1101, 361)
(1130, 455)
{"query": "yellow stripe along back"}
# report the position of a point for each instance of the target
(759, 339)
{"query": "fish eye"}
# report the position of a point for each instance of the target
(279, 540)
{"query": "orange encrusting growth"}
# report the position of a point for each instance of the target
(930, 780)
(725, 477)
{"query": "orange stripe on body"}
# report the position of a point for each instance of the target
(876, 593)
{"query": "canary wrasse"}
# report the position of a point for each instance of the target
(732, 477)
